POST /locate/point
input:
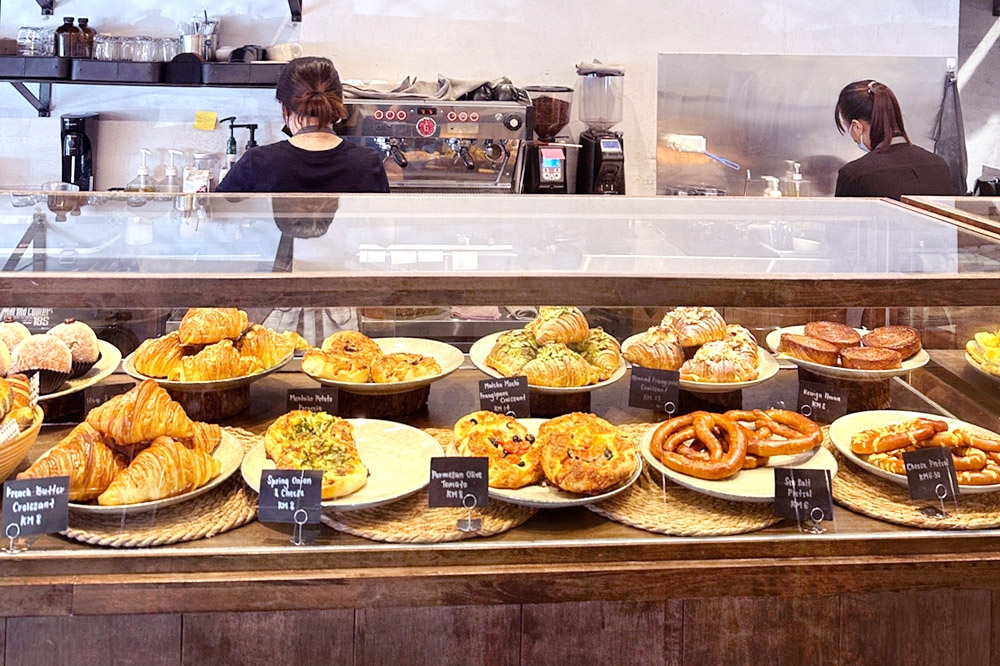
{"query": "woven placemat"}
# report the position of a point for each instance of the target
(410, 520)
(671, 509)
(867, 494)
(227, 507)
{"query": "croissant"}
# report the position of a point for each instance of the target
(144, 413)
(657, 348)
(742, 342)
(600, 350)
(82, 456)
(559, 324)
(165, 469)
(216, 361)
(206, 326)
(158, 357)
(206, 437)
(511, 351)
(22, 390)
(557, 365)
(716, 362)
(7, 396)
(695, 326)
(268, 346)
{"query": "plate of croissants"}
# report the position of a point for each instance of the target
(558, 352)
(137, 452)
(571, 460)
(352, 362)
(836, 350)
(212, 349)
(710, 355)
(876, 441)
(732, 455)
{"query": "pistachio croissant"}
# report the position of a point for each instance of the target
(165, 469)
(558, 365)
(83, 456)
(601, 350)
(559, 324)
(205, 326)
(143, 414)
(511, 351)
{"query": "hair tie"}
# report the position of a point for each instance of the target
(870, 91)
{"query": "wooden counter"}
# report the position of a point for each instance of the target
(566, 587)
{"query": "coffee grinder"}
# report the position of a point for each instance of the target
(544, 160)
(79, 139)
(601, 167)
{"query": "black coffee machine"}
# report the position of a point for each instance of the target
(545, 163)
(79, 149)
(601, 167)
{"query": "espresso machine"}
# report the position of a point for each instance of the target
(601, 166)
(545, 163)
(79, 152)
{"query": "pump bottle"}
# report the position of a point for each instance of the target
(142, 182)
(171, 181)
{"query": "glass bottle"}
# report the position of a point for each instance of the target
(66, 37)
(85, 43)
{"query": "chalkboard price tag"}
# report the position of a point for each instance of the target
(459, 481)
(930, 473)
(290, 496)
(803, 494)
(94, 396)
(822, 403)
(505, 395)
(312, 400)
(654, 389)
(35, 506)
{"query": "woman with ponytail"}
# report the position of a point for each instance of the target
(314, 158)
(867, 111)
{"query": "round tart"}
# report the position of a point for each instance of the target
(82, 343)
(807, 348)
(870, 358)
(840, 335)
(45, 354)
(903, 339)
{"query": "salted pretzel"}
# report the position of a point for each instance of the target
(796, 432)
(700, 444)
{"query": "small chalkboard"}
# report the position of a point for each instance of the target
(803, 494)
(35, 506)
(290, 496)
(94, 396)
(459, 481)
(658, 390)
(506, 395)
(822, 403)
(312, 400)
(930, 473)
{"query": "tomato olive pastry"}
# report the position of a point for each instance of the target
(583, 453)
(514, 457)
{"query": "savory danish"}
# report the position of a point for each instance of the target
(600, 350)
(565, 324)
(559, 366)
(350, 368)
(353, 343)
(582, 453)
(403, 367)
(514, 456)
(695, 325)
(317, 440)
(511, 351)
(656, 348)
(205, 326)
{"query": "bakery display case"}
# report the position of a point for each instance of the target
(452, 271)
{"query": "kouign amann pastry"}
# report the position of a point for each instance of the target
(695, 326)
(206, 326)
(903, 339)
(514, 457)
(353, 343)
(12, 332)
(45, 354)
(511, 351)
(600, 350)
(82, 343)
(657, 348)
(350, 368)
(582, 453)
(159, 357)
(214, 362)
(870, 358)
(559, 366)
(403, 367)
(809, 349)
(563, 324)
(85, 458)
(165, 469)
(141, 415)
(840, 335)
(718, 362)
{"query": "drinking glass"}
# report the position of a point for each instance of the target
(145, 50)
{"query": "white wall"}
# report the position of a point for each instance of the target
(531, 42)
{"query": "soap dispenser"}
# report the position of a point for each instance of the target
(794, 185)
(231, 148)
(171, 181)
(142, 182)
(771, 190)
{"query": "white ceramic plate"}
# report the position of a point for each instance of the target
(199, 387)
(747, 485)
(845, 427)
(109, 361)
(483, 346)
(546, 496)
(398, 458)
(767, 367)
(229, 453)
(448, 357)
(918, 360)
(971, 361)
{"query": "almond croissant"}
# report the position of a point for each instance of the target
(214, 362)
(205, 326)
(167, 468)
(143, 414)
(82, 456)
(159, 356)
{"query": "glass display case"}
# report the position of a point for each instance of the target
(455, 270)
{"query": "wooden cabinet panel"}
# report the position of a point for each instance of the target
(443, 636)
(273, 638)
(89, 640)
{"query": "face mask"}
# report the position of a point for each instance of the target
(861, 144)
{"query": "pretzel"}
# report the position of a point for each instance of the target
(968, 459)
(980, 441)
(721, 437)
(896, 435)
(988, 475)
(798, 433)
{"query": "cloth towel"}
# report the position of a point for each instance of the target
(444, 89)
(949, 135)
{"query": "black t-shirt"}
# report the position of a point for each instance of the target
(898, 170)
(282, 167)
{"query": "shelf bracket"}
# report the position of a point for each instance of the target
(294, 6)
(47, 6)
(42, 103)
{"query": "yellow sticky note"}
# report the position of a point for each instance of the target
(205, 120)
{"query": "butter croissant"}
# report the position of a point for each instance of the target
(268, 346)
(206, 437)
(205, 326)
(601, 350)
(165, 469)
(559, 366)
(142, 414)
(559, 324)
(83, 456)
(216, 361)
(158, 357)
